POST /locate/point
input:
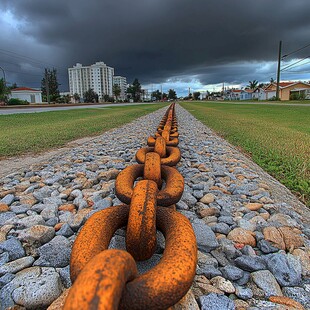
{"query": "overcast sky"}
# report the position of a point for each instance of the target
(174, 43)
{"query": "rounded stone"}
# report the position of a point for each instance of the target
(223, 284)
(243, 236)
(37, 234)
(253, 206)
(36, 287)
(208, 198)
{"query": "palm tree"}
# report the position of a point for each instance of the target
(252, 84)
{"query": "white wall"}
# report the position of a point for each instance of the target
(27, 96)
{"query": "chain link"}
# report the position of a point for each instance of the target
(108, 279)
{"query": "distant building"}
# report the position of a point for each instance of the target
(98, 77)
(29, 94)
(121, 81)
(246, 94)
(232, 94)
(285, 89)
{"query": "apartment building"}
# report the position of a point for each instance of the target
(98, 76)
(122, 83)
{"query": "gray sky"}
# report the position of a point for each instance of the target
(176, 43)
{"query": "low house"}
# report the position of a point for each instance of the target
(246, 94)
(25, 93)
(285, 89)
(232, 94)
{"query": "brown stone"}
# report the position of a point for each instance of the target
(216, 188)
(4, 231)
(201, 278)
(188, 302)
(241, 304)
(273, 235)
(67, 192)
(286, 301)
(58, 226)
(220, 236)
(208, 288)
(67, 207)
(60, 301)
(253, 206)
(80, 174)
(108, 175)
(27, 200)
(291, 239)
(4, 207)
(208, 212)
(265, 215)
(240, 235)
(203, 168)
(7, 192)
(208, 198)
(34, 179)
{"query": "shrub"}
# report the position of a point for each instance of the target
(16, 101)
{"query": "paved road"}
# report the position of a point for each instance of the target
(7, 111)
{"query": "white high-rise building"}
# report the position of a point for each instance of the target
(122, 83)
(98, 77)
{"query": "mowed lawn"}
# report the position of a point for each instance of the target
(36, 132)
(276, 137)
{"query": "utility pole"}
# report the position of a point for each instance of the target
(278, 73)
(161, 91)
(47, 87)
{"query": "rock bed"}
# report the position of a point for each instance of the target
(252, 234)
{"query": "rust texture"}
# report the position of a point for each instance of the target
(108, 279)
(141, 228)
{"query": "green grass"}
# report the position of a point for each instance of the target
(276, 137)
(36, 132)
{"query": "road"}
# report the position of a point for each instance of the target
(6, 111)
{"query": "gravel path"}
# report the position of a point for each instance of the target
(252, 233)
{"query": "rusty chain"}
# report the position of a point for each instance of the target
(108, 279)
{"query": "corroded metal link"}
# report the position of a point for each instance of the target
(151, 141)
(141, 227)
(159, 288)
(152, 168)
(100, 285)
(160, 147)
(165, 284)
(171, 194)
(95, 237)
(173, 155)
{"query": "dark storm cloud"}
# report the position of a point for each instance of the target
(156, 40)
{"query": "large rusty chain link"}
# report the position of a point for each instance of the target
(108, 279)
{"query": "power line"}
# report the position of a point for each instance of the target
(294, 63)
(284, 56)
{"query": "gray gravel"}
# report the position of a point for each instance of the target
(249, 227)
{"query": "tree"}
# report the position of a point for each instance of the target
(271, 80)
(134, 91)
(252, 84)
(76, 97)
(90, 96)
(172, 94)
(116, 91)
(4, 91)
(14, 85)
(49, 83)
(196, 95)
(156, 95)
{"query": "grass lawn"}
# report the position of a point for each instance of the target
(36, 132)
(276, 137)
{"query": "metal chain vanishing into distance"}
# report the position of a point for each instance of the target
(108, 279)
